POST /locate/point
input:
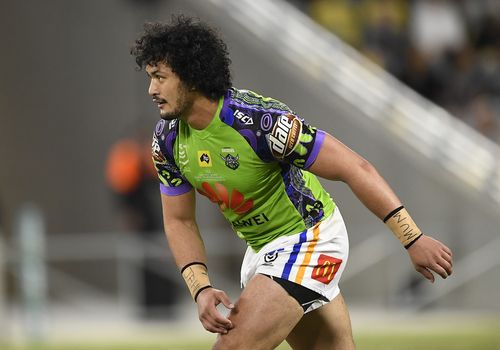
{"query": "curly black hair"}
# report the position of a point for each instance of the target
(192, 49)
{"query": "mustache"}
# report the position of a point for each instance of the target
(157, 99)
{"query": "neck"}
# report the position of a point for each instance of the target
(201, 113)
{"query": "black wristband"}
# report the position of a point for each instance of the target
(391, 214)
(411, 243)
(199, 291)
(191, 264)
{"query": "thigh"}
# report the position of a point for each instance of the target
(326, 328)
(314, 258)
(262, 318)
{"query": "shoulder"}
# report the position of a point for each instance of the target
(164, 127)
(269, 125)
(245, 109)
(273, 130)
(164, 138)
(246, 105)
(254, 100)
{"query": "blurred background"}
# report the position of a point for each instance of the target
(413, 86)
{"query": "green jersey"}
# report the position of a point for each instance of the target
(251, 160)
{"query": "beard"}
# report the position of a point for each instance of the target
(182, 105)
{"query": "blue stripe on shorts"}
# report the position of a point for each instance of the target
(293, 255)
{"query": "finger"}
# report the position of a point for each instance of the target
(220, 330)
(225, 300)
(215, 329)
(222, 321)
(439, 270)
(447, 257)
(426, 273)
(448, 250)
(215, 322)
(214, 317)
(447, 266)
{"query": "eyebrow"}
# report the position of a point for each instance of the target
(153, 72)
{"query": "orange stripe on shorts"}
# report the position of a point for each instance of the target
(307, 257)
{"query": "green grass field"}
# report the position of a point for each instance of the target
(487, 339)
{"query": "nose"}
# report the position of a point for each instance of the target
(153, 88)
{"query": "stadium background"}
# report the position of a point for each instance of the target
(74, 267)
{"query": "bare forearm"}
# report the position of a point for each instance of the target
(372, 190)
(337, 162)
(185, 242)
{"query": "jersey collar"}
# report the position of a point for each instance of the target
(212, 126)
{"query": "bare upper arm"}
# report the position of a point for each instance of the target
(336, 161)
(180, 208)
(181, 230)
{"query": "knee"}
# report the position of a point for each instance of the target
(226, 342)
(339, 342)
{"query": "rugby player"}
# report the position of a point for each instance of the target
(258, 161)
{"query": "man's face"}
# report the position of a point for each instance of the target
(168, 91)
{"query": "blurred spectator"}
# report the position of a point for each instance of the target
(448, 51)
(418, 74)
(383, 33)
(436, 27)
(132, 178)
(339, 16)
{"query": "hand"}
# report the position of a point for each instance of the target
(428, 254)
(209, 316)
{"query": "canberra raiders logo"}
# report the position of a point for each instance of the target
(232, 162)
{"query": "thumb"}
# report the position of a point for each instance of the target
(225, 300)
(426, 273)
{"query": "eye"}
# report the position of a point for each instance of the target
(162, 78)
(157, 77)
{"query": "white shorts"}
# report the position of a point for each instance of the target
(314, 258)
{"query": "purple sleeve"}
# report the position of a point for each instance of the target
(172, 181)
(175, 191)
(320, 137)
(293, 141)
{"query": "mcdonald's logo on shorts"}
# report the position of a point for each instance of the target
(326, 268)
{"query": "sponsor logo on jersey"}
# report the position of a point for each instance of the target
(252, 221)
(266, 122)
(272, 255)
(204, 159)
(326, 269)
(285, 135)
(219, 194)
(158, 157)
(159, 127)
(243, 118)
